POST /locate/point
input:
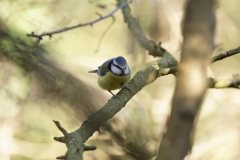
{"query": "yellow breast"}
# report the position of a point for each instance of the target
(112, 82)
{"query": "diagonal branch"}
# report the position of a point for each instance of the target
(154, 49)
(78, 25)
(167, 65)
(60, 128)
(225, 54)
(75, 140)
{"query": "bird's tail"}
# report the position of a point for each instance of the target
(93, 71)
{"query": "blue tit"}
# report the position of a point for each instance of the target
(113, 74)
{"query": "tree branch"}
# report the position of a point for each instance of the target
(225, 83)
(75, 140)
(104, 33)
(154, 49)
(225, 54)
(78, 25)
(61, 128)
(191, 83)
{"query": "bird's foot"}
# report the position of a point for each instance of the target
(113, 95)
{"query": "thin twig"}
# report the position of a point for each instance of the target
(61, 157)
(104, 33)
(60, 128)
(225, 54)
(79, 25)
(60, 139)
(89, 148)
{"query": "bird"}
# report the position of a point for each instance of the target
(113, 74)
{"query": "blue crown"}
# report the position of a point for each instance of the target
(121, 61)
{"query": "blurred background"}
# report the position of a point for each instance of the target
(50, 80)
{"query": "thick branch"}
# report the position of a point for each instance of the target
(191, 84)
(75, 140)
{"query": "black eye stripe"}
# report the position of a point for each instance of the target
(123, 72)
(117, 66)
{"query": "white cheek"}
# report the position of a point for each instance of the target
(114, 62)
(126, 71)
(115, 70)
